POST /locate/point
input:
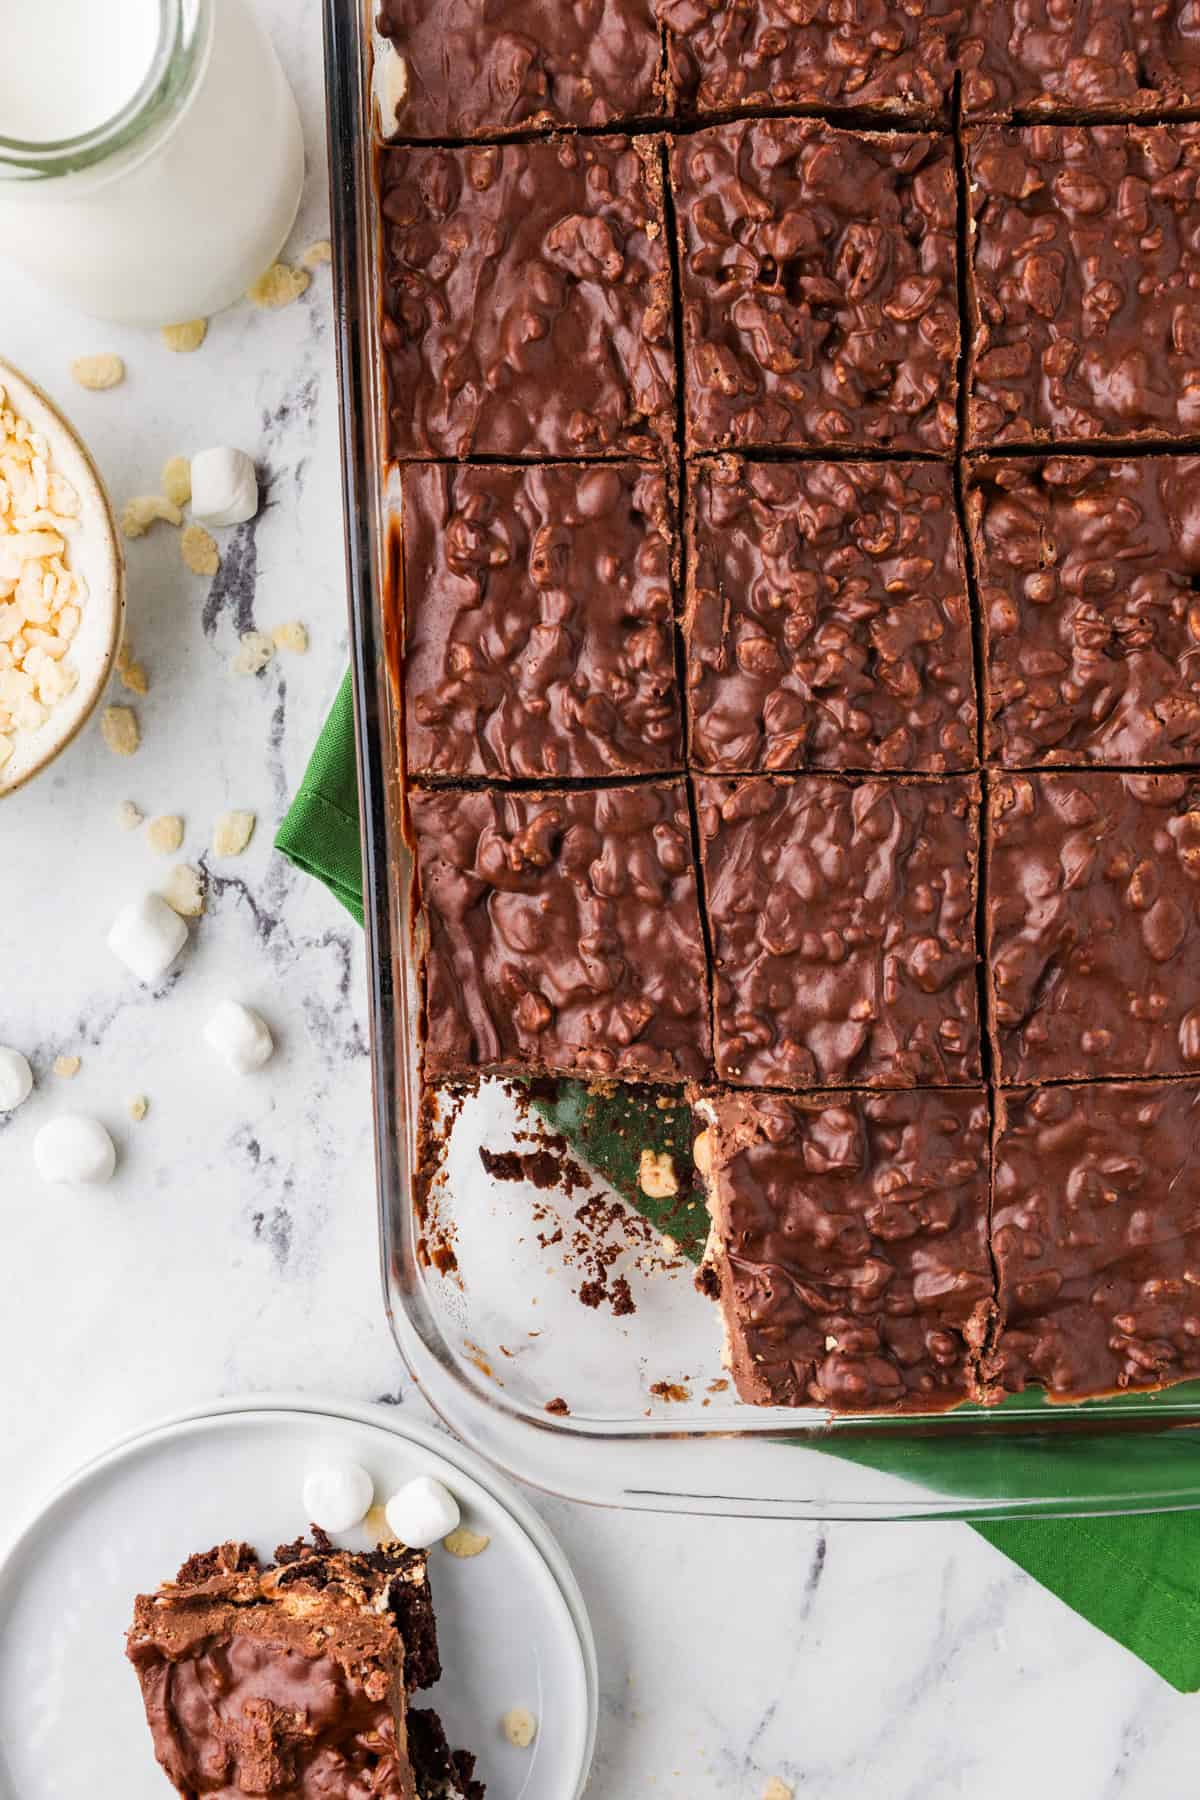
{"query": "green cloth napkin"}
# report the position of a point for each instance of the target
(1135, 1577)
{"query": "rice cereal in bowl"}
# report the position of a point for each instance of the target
(62, 582)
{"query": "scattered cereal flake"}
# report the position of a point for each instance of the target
(377, 1528)
(254, 653)
(466, 1543)
(177, 480)
(778, 1790)
(278, 286)
(318, 254)
(139, 1106)
(119, 729)
(232, 832)
(199, 551)
(128, 816)
(656, 1175)
(292, 637)
(67, 1067)
(166, 834)
(184, 891)
(143, 510)
(520, 1727)
(132, 674)
(104, 370)
(188, 336)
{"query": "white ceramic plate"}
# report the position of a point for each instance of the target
(511, 1622)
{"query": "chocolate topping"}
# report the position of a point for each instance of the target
(1088, 574)
(827, 622)
(539, 613)
(850, 1246)
(818, 270)
(504, 268)
(1094, 924)
(1084, 278)
(891, 59)
(477, 69)
(1096, 1233)
(288, 1680)
(842, 916)
(564, 933)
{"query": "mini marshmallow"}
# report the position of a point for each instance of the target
(338, 1495)
(16, 1080)
(74, 1150)
(239, 1035)
(224, 487)
(423, 1513)
(148, 935)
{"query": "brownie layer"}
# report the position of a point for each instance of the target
(564, 933)
(842, 920)
(505, 267)
(1088, 574)
(471, 70)
(1083, 283)
(827, 620)
(1096, 1235)
(539, 621)
(849, 1246)
(818, 277)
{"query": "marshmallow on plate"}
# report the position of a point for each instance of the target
(16, 1080)
(74, 1150)
(148, 935)
(224, 487)
(423, 1513)
(338, 1495)
(241, 1036)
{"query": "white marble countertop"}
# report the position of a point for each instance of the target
(235, 1252)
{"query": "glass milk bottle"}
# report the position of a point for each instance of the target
(150, 152)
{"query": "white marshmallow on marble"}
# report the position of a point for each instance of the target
(338, 1495)
(74, 1150)
(148, 935)
(241, 1036)
(16, 1079)
(224, 487)
(422, 1513)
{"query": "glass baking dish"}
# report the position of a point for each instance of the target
(494, 1330)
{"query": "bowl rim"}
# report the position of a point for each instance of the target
(30, 401)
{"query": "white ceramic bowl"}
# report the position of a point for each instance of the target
(95, 552)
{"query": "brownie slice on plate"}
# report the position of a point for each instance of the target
(293, 1678)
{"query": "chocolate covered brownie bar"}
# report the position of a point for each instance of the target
(872, 56)
(1082, 283)
(1096, 1236)
(1051, 57)
(527, 300)
(818, 272)
(827, 621)
(1093, 923)
(539, 621)
(849, 1245)
(1087, 586)
(471, 70)
(564, 933)
(842, 920)
(290, 1678)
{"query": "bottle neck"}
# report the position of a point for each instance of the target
(183, 28)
